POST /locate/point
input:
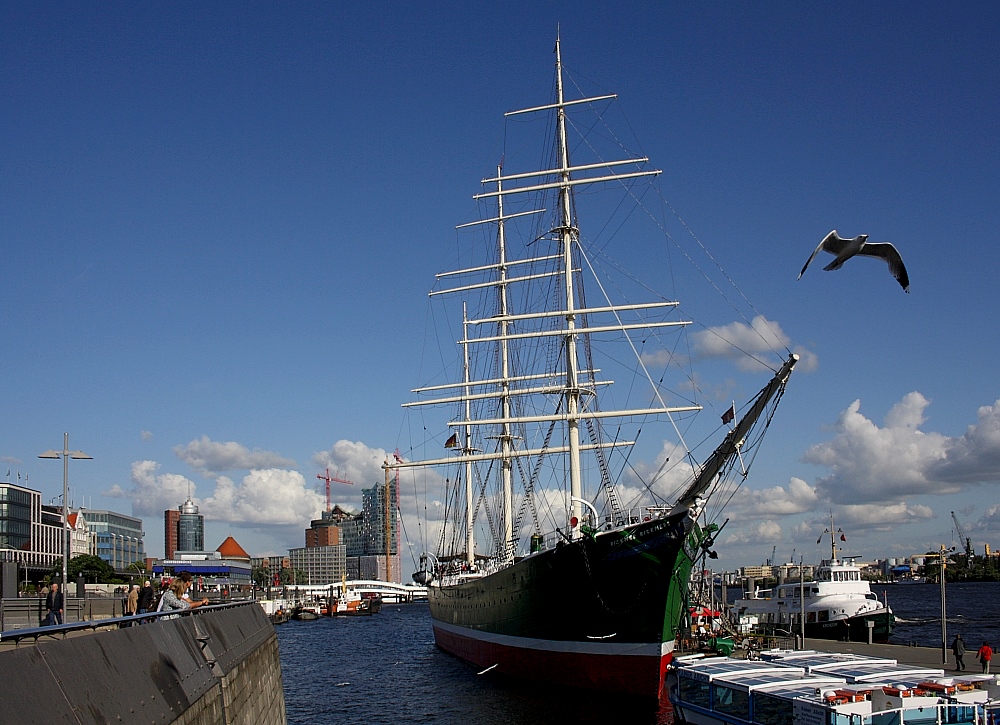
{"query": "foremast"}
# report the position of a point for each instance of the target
(731, 444)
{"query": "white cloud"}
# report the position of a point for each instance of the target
(666, 475)
(146, 435)
(210, 456)
(798, 498)
(764, 532)
(989, 522)
(266, 497)
(153, 493)
(882, 518)
(353, 461)
(975, 457)
(741, 342)
(871, 464)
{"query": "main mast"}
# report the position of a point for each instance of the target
(506, 439)
(566, 236)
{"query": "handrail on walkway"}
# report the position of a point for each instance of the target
(34, 633)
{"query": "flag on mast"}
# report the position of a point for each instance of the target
(452, 442)
(729, 415)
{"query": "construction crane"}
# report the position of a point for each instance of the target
(964, 540)
(329, 478)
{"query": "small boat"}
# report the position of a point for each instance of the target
(276, 610)
(352, 604)
(796, 688)
(305, 613)
(838, 604)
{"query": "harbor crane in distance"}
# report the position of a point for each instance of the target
(329, 478)
(965, 541)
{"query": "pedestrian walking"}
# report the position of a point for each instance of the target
(958, 647)
(985, 655)
(144, 602)
(54, 605)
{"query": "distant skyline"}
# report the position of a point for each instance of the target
(219, 224)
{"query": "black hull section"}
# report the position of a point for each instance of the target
(614, 586)
(853, 629)
(618, 592)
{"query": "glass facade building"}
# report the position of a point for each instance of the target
(15, 516)
(373, 527)
(190, 528)
(119, 538)
(29, 532)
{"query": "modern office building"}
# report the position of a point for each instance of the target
(30, 533)
(183, 529)
(375, 512)
(190, 528)
(119, 538)
(320, 564)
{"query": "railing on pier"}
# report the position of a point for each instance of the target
(63, 630)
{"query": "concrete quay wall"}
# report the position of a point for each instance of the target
(215, 667)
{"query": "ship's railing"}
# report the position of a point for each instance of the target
(63, 630)
(960, 713)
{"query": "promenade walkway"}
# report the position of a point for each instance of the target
(916, 656)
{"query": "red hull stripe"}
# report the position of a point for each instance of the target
(633, 669)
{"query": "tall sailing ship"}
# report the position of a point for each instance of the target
(583, 574)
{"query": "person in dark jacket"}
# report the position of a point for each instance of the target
(54, 605)
(958, 647)
(145, 602)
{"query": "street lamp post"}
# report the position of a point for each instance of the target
(942, 557)
(65, 454)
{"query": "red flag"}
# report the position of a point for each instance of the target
(452, 442)
(843, 538)
(729, 415)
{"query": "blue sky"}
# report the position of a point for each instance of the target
(219, 224)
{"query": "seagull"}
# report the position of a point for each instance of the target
(844, 249)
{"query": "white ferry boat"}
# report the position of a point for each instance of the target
(837, 604)
(806, 688)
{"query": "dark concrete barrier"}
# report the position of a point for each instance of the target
(214, 667)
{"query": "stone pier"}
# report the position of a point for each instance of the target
(213, 667)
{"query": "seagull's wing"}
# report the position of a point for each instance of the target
(831, 243)
(887, 252)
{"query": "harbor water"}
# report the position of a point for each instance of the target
(973, 610)
(386, 668)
